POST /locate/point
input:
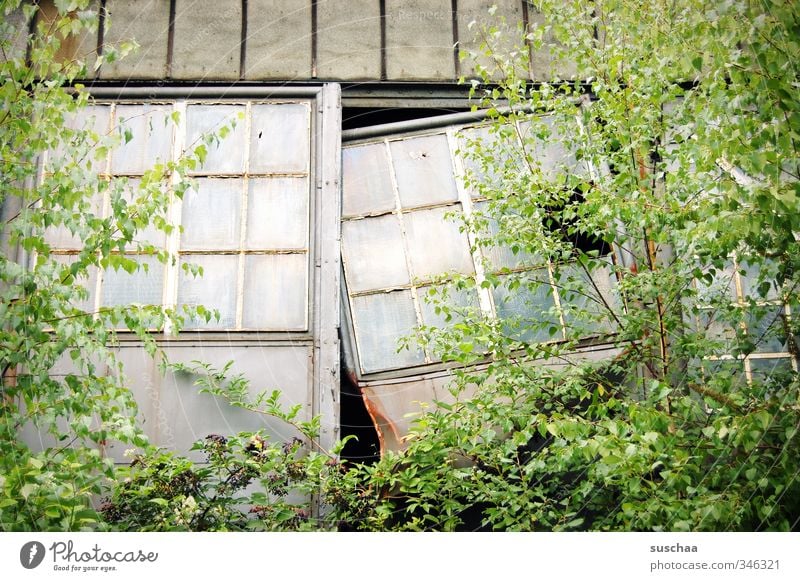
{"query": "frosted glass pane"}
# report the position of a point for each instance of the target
(486, 157)
(767, 328)
(88, 282)
(501, 255)
(777, 370)
(150, 234)
(584, 308)
(367, 183)
(379, 321)
(551, 155)
(211, 215)
(373, 253)
(277, 213)
(423, 170)
(749, 277)
(227, 155)
(280, 138)
(94, 118)
(275, 292)
(216, 289)
(151, 130)
(435, 243)
(144, 287)
(60, 237)
(457, 299)
(528, 312)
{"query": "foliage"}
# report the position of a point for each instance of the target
(249, 482)
(61, 381)
(647, 208)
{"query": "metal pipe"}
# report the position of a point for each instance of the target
(414, 125)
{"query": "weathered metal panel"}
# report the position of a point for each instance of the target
(208, 38)
(328, 264)
(278, 40)
(349, 40)
(147, 22)
(506, 18)
(419, 40)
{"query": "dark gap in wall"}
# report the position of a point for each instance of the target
(383, 39)
(243, 45)
(314, 39)
(31, 32)
(355, 117)
(456, 60)
(525, 27)
(355, 420)
(171, 37)
(101, 27)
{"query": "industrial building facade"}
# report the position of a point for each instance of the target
(323, 217)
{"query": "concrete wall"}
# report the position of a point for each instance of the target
(291, 40)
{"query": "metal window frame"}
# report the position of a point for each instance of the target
(451, 126)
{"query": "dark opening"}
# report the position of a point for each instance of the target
(356, 421)
(355, 117)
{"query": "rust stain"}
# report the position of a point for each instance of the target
(387, 432)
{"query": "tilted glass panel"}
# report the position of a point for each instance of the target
(454, 300)
(143, 286)
(367, 182)
(435, 243)
(777, 370)
(528, 312)
(216, 289)
(766, 327)
(224, 156)
(500, 256)
(587, 302)
(279, 138)
(150, 129)
(423, 170)
(487, 157)
(549, 153)
(277, 213)
(373, 253)
(211, 215)
(380, 320)
(275, 292)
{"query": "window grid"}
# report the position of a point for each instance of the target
(170, 286)
(465, 202)
(739, 300)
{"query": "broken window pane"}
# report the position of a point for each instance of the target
(435, 243)
(225, 156)
(211, 215)
(215, 290)
(423, 170)
(150, 131)
(277, 213)
(279, 138)
(367, 183)
(373, 253)
(380, 320)
(275, 292)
